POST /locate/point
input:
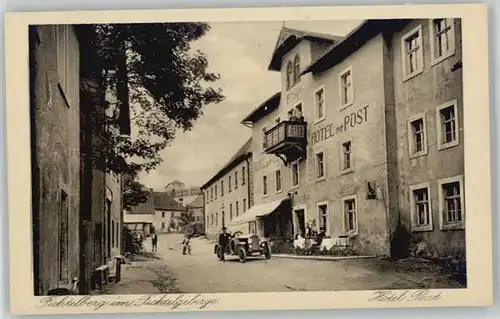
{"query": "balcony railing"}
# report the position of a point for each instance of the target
(285, 133)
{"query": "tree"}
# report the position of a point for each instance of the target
(134, 192)
(160, 85)
(186, 218)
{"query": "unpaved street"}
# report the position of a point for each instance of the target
(203, 273)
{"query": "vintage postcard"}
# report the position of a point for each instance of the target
(248, 159)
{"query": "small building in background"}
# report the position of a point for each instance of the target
(229, 193)
(140, 217)
(167, 213)
(197, 207)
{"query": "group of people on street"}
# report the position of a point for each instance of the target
(312, 234)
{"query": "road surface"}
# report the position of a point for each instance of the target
(201, 272)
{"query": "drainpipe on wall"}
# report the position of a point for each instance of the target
(248, 181)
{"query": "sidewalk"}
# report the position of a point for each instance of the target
(320, 257)
(134, 280)
(146, 276)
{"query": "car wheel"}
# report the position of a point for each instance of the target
(219, 253)
(267, 251)
(242, 255)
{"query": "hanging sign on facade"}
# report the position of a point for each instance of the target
(265, 162)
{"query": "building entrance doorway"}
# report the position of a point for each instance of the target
(300, 220)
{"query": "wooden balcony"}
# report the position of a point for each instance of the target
(287, 140)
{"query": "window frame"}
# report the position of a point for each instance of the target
(433, 39)
(411, 141)
(413, 208)
(316, 166)
(296, 70)
(265, 186)
(444, 225)
(264, 142)
(316, 118)
(276, 190)
(244, 205)
(292, 164)
(289, 75)
(236, 179)
(439, 125)
(353, 232)
(404, 52)
(318, 212)
(341, 76)
(342, 157)
(243, 173)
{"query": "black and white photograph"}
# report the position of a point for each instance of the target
(212, 157)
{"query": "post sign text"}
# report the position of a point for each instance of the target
(293, 95)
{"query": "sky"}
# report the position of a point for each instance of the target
(240, 52)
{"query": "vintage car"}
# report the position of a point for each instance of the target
(245, 246)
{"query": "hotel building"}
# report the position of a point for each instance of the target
(364, 139)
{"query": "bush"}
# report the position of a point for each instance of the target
(455, 265)
(282, 246)
(131, 243)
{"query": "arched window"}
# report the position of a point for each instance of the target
(296, 69)
(289, 75)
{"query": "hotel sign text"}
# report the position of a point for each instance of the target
(350, 121)
(265, 162)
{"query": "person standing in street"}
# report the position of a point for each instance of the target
(223, 242)
(186, 244)
(154, 241)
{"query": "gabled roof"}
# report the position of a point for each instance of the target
(197, 202)
(243, 153)
(144, 208)
(163, 201)
(266, 107)
(289, 38)
(367, 30)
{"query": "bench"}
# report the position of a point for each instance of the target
(101, 276)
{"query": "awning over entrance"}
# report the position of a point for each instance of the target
(258, 211)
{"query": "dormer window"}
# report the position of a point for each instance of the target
(293, 72)
(296, 69)
(289, 75)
